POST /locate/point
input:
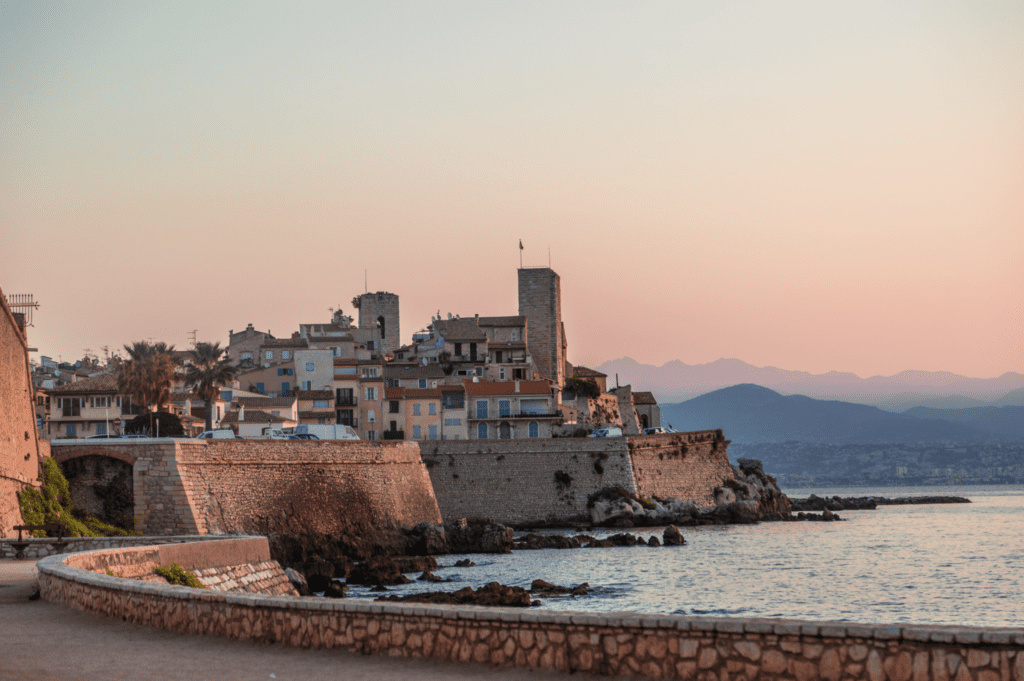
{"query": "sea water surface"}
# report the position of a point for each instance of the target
(942, 564)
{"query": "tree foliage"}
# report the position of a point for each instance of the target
(147, 375)
(582, 387)
(210, 370)
(52, 504)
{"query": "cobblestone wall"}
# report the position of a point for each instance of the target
(258, 486)
(703, 649)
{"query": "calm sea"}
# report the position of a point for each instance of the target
(942, 564)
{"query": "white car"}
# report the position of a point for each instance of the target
(614, 431)
(220, 434)
(655, 431)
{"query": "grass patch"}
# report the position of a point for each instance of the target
(180, 576)
(52, 504)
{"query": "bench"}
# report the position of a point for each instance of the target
(59, 544)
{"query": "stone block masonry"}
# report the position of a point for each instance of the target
(260, 486)
(538, 482)
(651, 646)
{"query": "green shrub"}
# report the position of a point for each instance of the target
(52, 504)
(180, 576)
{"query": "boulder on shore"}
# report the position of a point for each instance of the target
(489, 594)
(672, 536)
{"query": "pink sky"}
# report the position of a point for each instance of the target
(813, 186)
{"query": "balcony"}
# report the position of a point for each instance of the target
(346, 402)
(393, 434)
(518, 415)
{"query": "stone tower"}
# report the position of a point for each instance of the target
(540, 301)
(380, 311)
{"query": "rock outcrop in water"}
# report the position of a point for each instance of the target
(749, 497)
(836, 503)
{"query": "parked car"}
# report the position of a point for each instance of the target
(220, 434)
(100, 437)
(134, 436)
(304, 436)
(614, 431)
(655, 431)
(327, 431)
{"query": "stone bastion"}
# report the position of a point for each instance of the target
(653, 646)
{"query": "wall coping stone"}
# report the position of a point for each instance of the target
(56, 566)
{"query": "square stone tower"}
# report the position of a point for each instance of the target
(380, 311)
(540, 301)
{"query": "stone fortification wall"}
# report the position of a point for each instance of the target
(534, 482)
(653, 646)
(523, 482)
(681, 465)
(260, 486)
(19, 452)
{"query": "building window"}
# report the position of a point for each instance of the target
(433, 432)
(504, 408)
(393, 408)
(416, 432)
(371, 393)
(101, 402)
(321, 404)
(286, 389)
(453, 422)
(534, 429)
(71, 406)
(269, 354)
(276, 413)
(481, 409)
(423, 383)
(501, 373)
(458, 349)
(310, 366)
(245, 356)
(371, 416)
(371, 435)
(479, 371)
(481, 431)
(285, 354)
(416, 409)
(504, 431)
(307, 385)
(260, 389)
(518, 374)
(370, 372)
(72, 430)
(432, 409)
(101, 428)
(280, 371)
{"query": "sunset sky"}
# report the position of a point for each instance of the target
(809, 185)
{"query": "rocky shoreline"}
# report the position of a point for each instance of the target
(837, 503)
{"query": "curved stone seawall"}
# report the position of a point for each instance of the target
(704, 649)
(40, 548)
(260, 486)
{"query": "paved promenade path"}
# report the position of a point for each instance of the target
(43, 641)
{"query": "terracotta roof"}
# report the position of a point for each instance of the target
(507, 387)
(451, 389)
(284, 343)
(422, 393)
(584, 372)
(314, 394)
(644, 398)
(94, 384)
(506, 345)
(255, 416)
(394, 393)
(262, 402)
(459, 330)
(432, 370)
(514, 321)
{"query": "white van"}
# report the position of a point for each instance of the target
(327, 431)
(220, 434)
(614, 431)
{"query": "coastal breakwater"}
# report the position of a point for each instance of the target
(701, 648)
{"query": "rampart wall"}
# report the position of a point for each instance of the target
(682, 465)
(534, 482)
(260, 486)
(653, 646)
(19, 450)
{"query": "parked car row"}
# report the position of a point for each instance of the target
(615, 431)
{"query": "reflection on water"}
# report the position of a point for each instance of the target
(946, 564)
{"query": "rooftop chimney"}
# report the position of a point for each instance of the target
(241, 412)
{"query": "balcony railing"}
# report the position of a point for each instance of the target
(345, 402)
(518, 415)
(393, 434)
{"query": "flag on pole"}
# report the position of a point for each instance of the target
(520, 244)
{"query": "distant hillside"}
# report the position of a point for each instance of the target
(752, 413)
(676, 381)
(1004, 423)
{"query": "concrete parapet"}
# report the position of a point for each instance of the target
(653, 646)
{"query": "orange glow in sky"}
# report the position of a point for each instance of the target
(810, 185)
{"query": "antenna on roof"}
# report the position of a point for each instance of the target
(366, 284)
(192, 336)
(23, 303)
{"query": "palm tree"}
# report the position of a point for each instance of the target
(147, 375)
(209, 371)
